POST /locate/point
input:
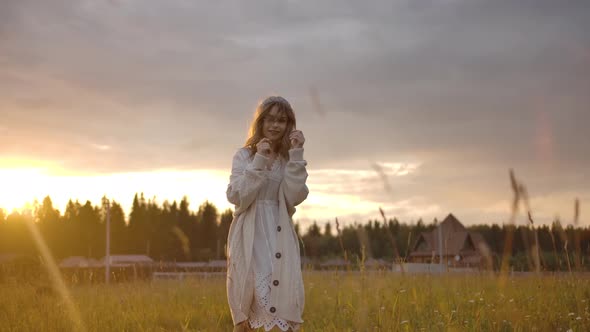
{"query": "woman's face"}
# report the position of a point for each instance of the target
(274, 124)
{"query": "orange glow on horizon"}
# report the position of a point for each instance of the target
(25, 184)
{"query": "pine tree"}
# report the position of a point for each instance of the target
(46, 213)
(137, 225)
(328, 230)
(118, 229)
(73, 235)
(48, 220)
(93, 233)
(223, 231)
(207, 217)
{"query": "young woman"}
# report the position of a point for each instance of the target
(264, 282)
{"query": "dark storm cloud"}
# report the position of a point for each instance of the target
(466, 88)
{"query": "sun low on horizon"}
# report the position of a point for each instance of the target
(30, 180)
(294, 165)
(421, 114)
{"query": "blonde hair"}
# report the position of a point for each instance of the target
(255, 133)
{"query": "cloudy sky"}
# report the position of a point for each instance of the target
(418, 107)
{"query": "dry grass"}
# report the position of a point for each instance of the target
(334, 302)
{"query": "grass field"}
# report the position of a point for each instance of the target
(334, 302)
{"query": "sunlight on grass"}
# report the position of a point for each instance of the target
(56, 279)
(334, 302)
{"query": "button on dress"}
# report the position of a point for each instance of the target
(264, 251)
(249, 183)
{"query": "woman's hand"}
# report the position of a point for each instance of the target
(297, 139)
(263, 147)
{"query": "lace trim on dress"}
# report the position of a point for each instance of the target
(259, 316)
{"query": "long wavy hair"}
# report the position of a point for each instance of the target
(255, 133)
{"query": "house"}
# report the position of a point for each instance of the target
(128, 260)
(19, 267)
(334, 264)
(79, 262)
(377, 264)
(307, 262)
(217, 265)
(460, 247)
(210, 266)
(12, 258)
(191, 266)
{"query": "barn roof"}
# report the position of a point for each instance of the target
(456, 240)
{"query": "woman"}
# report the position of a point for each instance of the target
(264, 281)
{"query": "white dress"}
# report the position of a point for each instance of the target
(267, 215)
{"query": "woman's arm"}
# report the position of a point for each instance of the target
(246, 179)
(294, 188)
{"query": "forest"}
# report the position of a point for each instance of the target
(174, 232)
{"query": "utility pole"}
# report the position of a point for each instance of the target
(440, 246)
(108, 244)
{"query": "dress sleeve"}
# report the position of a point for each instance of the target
(295, 189)
(246, 179)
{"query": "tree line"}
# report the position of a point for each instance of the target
(173, 232)
(167, 231)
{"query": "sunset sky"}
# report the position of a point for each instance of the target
(418, 107)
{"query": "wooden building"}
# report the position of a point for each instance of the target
(452, 242)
